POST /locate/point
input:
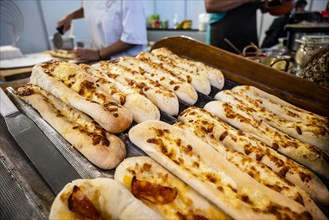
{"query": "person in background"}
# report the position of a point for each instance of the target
(116, 28)
(277, 28)
(233, 20)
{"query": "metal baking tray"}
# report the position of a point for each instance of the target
(88, 170)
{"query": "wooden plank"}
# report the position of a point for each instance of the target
(15, 73)
(298, 91)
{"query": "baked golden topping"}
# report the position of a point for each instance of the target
(79, 203)
(152, 192)
(79, 120)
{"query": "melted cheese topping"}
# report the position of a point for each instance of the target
(182, 153)
(271, 136)
(244, 143)
(214, 75)
(181, 62)
(80, 121)
(163, 77)
(290, 112)
(255, 169)
(187, 203)
(199, 82)
(87, 203)
(272, 118)
(79, 81)
(139, 81)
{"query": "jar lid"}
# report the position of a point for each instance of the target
(314, 39)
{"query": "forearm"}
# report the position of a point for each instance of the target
(213, 6)
(113, 49)
(79, 13)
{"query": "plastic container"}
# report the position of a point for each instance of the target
(203, 22)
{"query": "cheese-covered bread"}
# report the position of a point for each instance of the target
(241, 118)
(111, 116)
(212, 127)
(201, 167)
(163, 98)
(199, 82)
(155, 72)
(163, 192)
(312, 130)
(214, 75)
(100, 198)
(100, 147)
(105, 87)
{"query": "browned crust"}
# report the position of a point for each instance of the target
(103, 149)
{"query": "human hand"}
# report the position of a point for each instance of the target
(85, 54)
(65, 22)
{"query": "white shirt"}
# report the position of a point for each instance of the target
(111, 20)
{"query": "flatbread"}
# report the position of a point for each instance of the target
(163, 192)
(199, 82)
(111, 116)
(163, 98)
(200, 166)
(155, 72)
(134, 100)
(100, 147)
(63, 54)
(100, 198)
(212, 127)
(309, 131)
(240, 117)
(215, 76)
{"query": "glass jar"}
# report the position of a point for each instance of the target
(310, 45)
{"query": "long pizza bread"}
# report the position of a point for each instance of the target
(215, 76)
(199, 82)
(100, 198)
(91, 84)
(104, 87)
(180, 87)
(283, 108)
(163, 192)
(257, 170)
(111, 116)
(101, 148)
(164, 99)
(201, 167)
(240, 117)
(211, 127)
(303, 131)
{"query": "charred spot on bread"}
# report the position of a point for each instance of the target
(211, 178)
(100, 139)
(259, 156)
(304, 177)
(153, 192)
(223, 136)
(281, 212)
(275, 146)
(25, 91)
(79, 203)
(158, 142)
(247, 149)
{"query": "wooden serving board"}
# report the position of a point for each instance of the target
(298, 91)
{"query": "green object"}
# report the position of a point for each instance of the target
(155, 17)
